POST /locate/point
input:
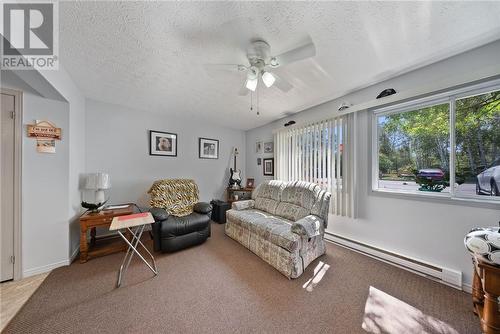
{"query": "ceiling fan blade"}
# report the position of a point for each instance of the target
(300, 53)
(243, 89)
(282, 84)
(225, 67)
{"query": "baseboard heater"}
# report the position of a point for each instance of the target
(447, 276)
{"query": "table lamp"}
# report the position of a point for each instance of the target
(98, 182)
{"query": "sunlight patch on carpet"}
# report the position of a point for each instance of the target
(387, 314)
(319, 273)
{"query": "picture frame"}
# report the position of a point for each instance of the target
(162, 143)
(259, 161)
(46, 146)
(208, 148)
(269, 147)
(268, 166)
(250, 183)
(258, 147)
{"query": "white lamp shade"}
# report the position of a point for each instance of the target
(268, 79)
(251, 84)
(97, 181)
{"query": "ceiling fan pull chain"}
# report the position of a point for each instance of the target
(258, 107)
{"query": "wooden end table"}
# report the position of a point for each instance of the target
(485, 293)
(243, 194)
(92, 220)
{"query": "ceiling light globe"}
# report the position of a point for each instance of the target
(251, 84)
(268, 79)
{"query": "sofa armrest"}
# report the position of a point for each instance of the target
(309, 226)
(242, 205)
(159, 214)
(203, 208)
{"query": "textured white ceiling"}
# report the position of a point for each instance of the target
(149, 55)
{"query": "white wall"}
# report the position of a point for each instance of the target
(420, 229)
(117, 142)
(45, 181)
(263, 134)
(65, 86)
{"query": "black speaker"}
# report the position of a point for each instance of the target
(219, 209)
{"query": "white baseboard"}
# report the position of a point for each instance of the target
(44, 269)
(445, 276)
(467, 288)
(74, 254)
(52, 266)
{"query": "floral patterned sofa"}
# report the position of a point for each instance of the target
(283, 224)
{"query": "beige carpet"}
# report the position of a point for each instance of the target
(221, 287)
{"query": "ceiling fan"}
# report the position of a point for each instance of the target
(261, 64)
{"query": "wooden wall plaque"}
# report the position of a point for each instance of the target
(44, 130)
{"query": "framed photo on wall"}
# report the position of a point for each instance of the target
(258, 147)
(268, 166)
(269, 147)
(162, 143)
(250, 183)
(208, 148)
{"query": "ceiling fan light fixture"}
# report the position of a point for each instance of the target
(253, 73)
(251, 84)
(268, 79)
(274, 62)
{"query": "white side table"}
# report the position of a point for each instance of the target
(135, 224)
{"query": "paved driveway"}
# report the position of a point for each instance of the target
(463, 189)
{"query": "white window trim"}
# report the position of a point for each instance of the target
(450, 97)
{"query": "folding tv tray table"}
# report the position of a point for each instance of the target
(135, 224)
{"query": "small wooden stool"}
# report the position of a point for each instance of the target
(485, 293)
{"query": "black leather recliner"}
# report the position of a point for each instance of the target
(171, 233)
(180, 220)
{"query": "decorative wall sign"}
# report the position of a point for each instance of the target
(162, 143)
(46, 135)
(208, 148)
(44, 129)
(268, 167)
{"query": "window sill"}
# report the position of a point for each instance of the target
(444, 198)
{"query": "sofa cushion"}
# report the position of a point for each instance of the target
(266, 204)
(291, 211)
(177, 226)
(277, 231)
(270, 189)
(300, 193)
(274, 229)
(246, 217)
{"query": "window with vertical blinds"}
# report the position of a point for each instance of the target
(321, 153)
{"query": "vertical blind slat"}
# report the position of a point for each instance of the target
(323, 153)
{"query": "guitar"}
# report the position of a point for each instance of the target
(235, 178)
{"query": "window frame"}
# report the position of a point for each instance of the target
(448, 96)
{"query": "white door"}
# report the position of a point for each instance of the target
(7, 188)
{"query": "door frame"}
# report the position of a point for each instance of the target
(18, 145)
